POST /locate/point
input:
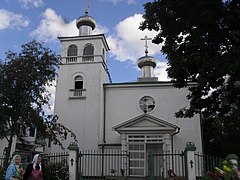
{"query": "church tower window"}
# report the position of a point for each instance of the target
(77, 91)
(88, 52)
(78, 82)
(72, 50)
(72, 53)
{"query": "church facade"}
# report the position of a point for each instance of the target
(137, 117)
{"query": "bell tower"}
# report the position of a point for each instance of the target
(79, 91)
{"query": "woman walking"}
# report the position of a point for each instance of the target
(34, 170)
(14, 171)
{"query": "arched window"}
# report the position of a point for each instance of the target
(88, 49)
(78, 82)
(72, 50)
(88, 52)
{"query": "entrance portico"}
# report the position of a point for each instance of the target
(142, 135)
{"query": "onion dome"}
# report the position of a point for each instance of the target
(86, 20)
(147, 61)
(86, 24)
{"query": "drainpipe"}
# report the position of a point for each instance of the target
(104, 126)
(104, 114)
(201, 126)
(178, 130)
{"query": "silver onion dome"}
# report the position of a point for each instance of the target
(86, 20)
(85, 24)
(147, 61)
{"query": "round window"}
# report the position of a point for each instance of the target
(147, 104)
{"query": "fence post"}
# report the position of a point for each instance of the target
(190, 161)
(73, 155)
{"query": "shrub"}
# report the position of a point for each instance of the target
(2, 173)
(56, 172)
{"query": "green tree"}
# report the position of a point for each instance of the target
(24, 78)
(201, 41)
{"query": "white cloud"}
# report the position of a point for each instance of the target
(126, 44)
(160, 71)
(31, 3)
(118, 1)
(53, 26)
(51, 89)
(100, 29)
(11, 20)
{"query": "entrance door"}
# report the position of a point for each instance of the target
(137, 159)
(158, 162)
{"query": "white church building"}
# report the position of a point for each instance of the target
(136, 117)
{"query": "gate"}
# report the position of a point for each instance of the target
(161, 166)
(107, 164)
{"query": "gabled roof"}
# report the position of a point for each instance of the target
(146, 123)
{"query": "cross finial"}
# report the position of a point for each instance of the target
(86, 10)
(146, 45)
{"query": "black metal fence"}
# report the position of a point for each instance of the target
(55, 159)
(115, 164)
(56, 166)
(165, 165)
(206, 163)
(107, 164)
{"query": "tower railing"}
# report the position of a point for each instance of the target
(77, 93)
(78, 59)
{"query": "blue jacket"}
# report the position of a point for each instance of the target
(11, 170)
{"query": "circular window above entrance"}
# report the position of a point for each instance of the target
(147, 104)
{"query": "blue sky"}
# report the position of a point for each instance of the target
(21, 21)
(24, 20)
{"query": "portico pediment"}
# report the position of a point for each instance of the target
(145, 123)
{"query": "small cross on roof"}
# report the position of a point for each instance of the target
(146, 43)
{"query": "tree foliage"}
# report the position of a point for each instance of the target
(24, 78)
(201, 40)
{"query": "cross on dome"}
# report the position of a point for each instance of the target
(146, 43)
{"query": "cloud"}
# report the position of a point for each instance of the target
(11, 20)
(53, 26)
(31, 3)
(52, 90)
(126, 43)
(118, 1)
(160, 71)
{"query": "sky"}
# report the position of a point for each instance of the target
(21, 21)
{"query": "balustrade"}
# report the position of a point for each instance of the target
(77, 93)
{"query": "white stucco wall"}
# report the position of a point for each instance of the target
(84, 116)
(122, 105)
(4, 143)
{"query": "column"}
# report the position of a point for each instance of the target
(167, 159)
(190, 161)
(73, 159)
(124, 165)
